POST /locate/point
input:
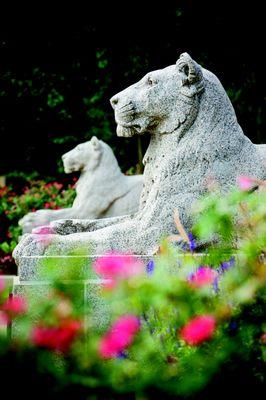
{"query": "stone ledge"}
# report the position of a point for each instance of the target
(32, 268)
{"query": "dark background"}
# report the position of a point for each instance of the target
(59, 67)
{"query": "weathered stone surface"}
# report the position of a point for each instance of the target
(195, 136)
(43, 268)
(262, 150)
(102, 190)
(98, 318)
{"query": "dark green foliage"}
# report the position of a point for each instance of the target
(58, 72)
(17, 202)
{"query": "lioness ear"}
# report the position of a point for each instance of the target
(95, 143)
(191, 75)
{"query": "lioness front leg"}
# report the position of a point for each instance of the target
(43, 217)
(69, 226)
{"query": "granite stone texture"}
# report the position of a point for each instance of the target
(194, 137)
(102, 190)
(96, 311)
(48, 268)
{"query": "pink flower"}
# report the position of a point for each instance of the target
(15, 305)
(43, 230)
(198, 330)
(45, 240)
(116, 266)
(244, 183)
(58, 338)
(44, 234)
(204, 276)
(128, 324)
(3, 319)
(119, 337)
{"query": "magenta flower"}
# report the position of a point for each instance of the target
(204, 276)
(15, 305)
(119, 337)
(198, 330)
(43, 230)
(244, 183)
(116, 266)
(3, 319)
(128, 324)
(44, 234)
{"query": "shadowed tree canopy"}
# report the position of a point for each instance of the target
(59, 69)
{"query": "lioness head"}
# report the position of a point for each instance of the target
(162, 101)
(84, 156)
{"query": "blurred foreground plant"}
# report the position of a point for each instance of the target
(183, 325)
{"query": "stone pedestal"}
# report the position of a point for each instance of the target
(36, 275)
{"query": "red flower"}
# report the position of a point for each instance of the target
(3, 191)
(198, 330)
(58, 186)
(57, 338)
(26, 189)
(15, 305)
(263, 338)
(119, 337)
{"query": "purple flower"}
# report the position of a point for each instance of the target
(233, 326)
(192, 243)
(216, 284)
(150, 267)
(224, 266)
(122, 355)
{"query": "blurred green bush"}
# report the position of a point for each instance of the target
(187, 325)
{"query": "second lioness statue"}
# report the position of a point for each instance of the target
(194, 135)
(102, 189)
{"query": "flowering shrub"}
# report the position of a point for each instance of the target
(120, 336)
(114, 267)
(183, 325)
(13, 206)
(198, 330)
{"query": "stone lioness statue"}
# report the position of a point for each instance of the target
(102, 190)
(194, 134)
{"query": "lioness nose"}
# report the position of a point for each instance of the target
(114, 101)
